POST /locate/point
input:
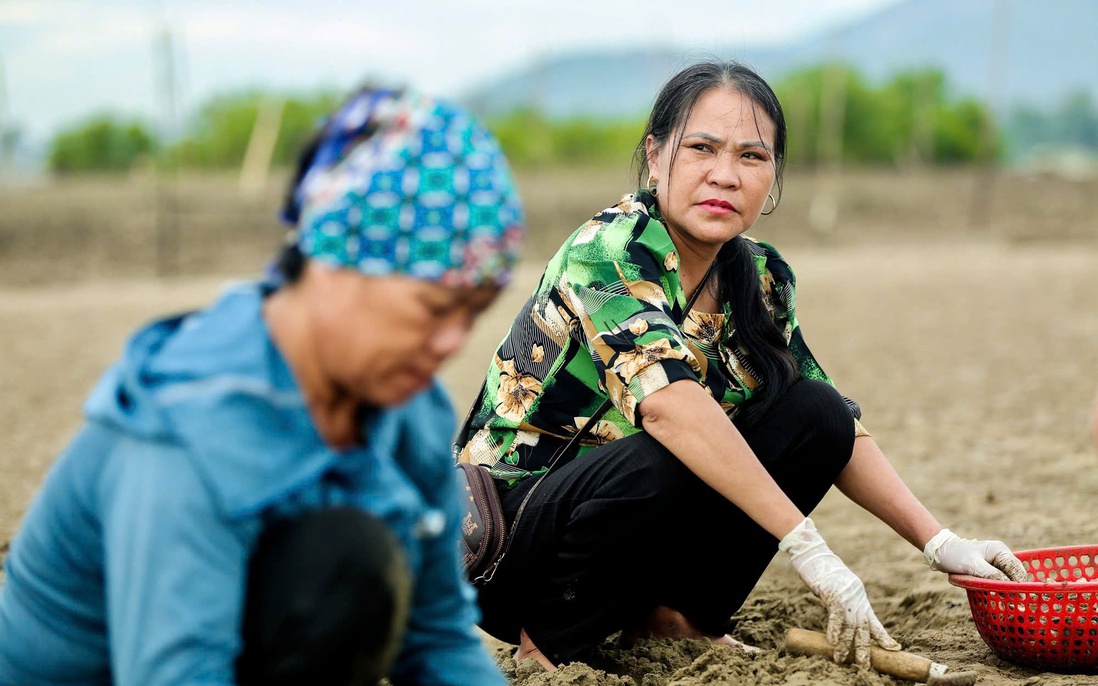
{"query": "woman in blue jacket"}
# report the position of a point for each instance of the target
(263, 491)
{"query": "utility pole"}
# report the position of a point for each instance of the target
(925, 106)
(983, 187)
(7, 127)
(823, 210)
(167, 215)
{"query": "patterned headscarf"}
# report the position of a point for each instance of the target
(402, 183)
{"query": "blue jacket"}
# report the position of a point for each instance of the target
(130, 565)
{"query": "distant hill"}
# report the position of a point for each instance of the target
(1046, 51)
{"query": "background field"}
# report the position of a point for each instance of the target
(960, 314)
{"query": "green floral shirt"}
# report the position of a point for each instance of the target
(602, 323)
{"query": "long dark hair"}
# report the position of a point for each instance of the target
(737, 281)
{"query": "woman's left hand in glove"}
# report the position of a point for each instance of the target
(948, 552)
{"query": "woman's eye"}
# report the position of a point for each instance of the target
(437, 310)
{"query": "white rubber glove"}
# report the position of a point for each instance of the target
(948, 552)
(851, 622)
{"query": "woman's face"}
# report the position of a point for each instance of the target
(723, 170)
(380, 340)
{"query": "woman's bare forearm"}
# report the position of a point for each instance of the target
(870, 481)
(686, 420)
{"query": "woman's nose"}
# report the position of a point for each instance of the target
(450, 337)
(724, 171)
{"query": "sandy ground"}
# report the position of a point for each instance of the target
(975, 361)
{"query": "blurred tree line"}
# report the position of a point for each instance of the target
(100, 144)
(1073, 125)
(911, 119)
(220, 134)
(217, 138)
(832, 112)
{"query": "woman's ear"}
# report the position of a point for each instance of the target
(652, 154)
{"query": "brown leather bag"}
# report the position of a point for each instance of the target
(485, 536)
(483, 528)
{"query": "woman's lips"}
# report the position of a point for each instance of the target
(717, 206)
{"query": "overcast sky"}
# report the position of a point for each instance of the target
(63, 60)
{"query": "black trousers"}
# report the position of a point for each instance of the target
(627, 527)
(326, 602)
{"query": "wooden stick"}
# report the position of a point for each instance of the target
(892, 662)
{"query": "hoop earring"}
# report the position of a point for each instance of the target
(653, 186)
(774, 205)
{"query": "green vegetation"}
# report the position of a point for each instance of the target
(1074, 124)
(217, 138)
(100, 144)
(833, 114)
(531, 140)
(909, 119)
(220, 134)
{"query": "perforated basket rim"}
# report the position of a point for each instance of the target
(977, 584)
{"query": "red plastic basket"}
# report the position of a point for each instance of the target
(1049, 622)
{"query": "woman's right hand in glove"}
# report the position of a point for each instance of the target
(851, 622)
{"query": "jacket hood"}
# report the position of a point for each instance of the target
(213, 383)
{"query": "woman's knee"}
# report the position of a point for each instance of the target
(810, 427)
(828, 415)
(825, 402)
(327, 601)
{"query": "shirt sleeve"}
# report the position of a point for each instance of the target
(617, 285)
(441, 646)
(174, 573)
